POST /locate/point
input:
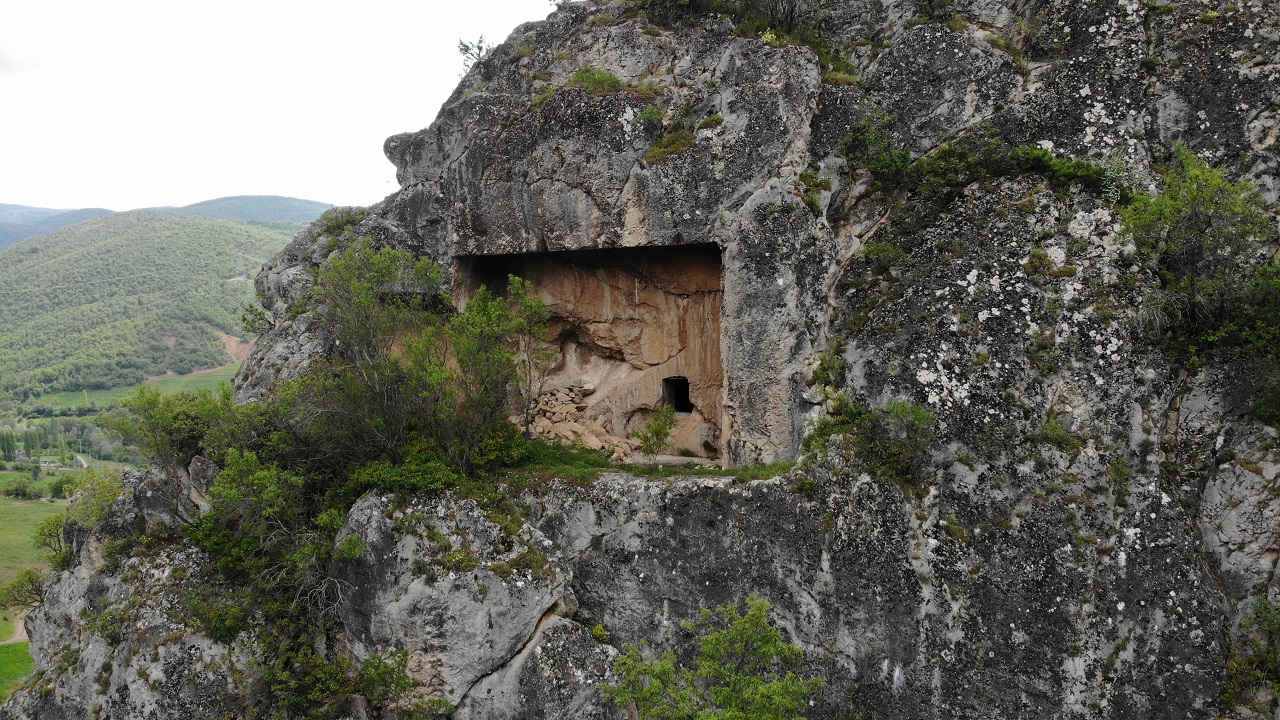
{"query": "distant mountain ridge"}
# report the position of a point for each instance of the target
(15, 232)
(19, 222)
(255, 208)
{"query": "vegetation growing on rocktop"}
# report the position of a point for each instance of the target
(594, 81)
(891, 442)
(390, 409)
(979, 157)
(1253, 672)
(743, 667)
(776, 22)
(1217, 296)
(673, 143)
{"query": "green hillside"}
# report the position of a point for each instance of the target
(108, 302)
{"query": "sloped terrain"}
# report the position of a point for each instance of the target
(1041, 509)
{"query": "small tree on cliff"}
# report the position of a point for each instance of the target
(1199, 230)
(534, 359)
(655, 434)
(743, 670)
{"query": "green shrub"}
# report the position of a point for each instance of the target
(809, 187)
(832, 367)
(743, 668)
(883, 255)
(1253, 672)
(22, 488)
(523, 51)
(1053, 433)
(462, 560)
(595, 82)
(891, 442)
(533, 561)
(337, 222)
(711, 121)
(1118, 474)
(541, 98)
(652, 114)
(647, 90)
(871, 146)
(668, 145)
(655, 434)
(1201, 232)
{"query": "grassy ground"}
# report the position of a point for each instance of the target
(15, 664)
(579, 465)
(18, 521)
(164, 383)
(6, 623)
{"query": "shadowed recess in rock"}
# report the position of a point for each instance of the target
(631, 324)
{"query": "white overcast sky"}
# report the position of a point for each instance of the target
(134, 103)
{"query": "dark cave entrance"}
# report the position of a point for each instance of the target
(675, 392)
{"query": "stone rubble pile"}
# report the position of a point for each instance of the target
(561, 415)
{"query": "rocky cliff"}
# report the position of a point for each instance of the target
(1093, 526)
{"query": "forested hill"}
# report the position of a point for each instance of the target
(257, 209)
(107, 302)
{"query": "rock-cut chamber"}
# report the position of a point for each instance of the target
(635, 328)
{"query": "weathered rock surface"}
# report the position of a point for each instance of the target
(1093, 528)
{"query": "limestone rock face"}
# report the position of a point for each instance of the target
(1092, 528)
(108, 640)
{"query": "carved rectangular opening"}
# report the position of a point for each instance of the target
(675, 392)
(634, 328)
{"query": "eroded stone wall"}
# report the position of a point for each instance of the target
(624, 320)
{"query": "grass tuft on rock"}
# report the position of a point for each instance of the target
(668, 145)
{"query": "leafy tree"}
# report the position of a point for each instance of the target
(359, 405)
(534, 360)
(742, 670)
(168, 428)
(255, 321)
(25, 589)
(8, 446)
(99, 490)
(655, 434)
(473, 52)
(465, 370)
(50, 536)
(1199, 229)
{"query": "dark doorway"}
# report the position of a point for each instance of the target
(675, 392)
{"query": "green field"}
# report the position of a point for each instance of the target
(15, 664)
(164, 383)
(18, 521)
